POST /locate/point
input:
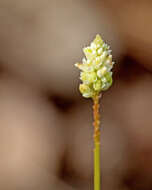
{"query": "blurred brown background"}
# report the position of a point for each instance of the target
(45, 125)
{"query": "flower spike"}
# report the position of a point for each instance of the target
(96, 75)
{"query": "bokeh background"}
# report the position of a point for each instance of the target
(45, 125)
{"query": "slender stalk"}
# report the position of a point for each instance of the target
(96, 124)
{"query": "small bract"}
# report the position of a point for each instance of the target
(96, 75)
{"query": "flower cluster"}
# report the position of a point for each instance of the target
(96, 68)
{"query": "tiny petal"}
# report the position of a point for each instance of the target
(93, 46)
(102, 71)
(110, 57)
(104, 55)
(100, 51)
(84, 60)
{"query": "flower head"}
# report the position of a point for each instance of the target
(96, 75)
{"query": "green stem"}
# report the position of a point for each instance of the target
(96, 124)
(97, 167)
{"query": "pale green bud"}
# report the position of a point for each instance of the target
(98, 40)
(88, 77)
(107, 85)
(104, 80)
(85, 90)
(97, 85)
(108, 76)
